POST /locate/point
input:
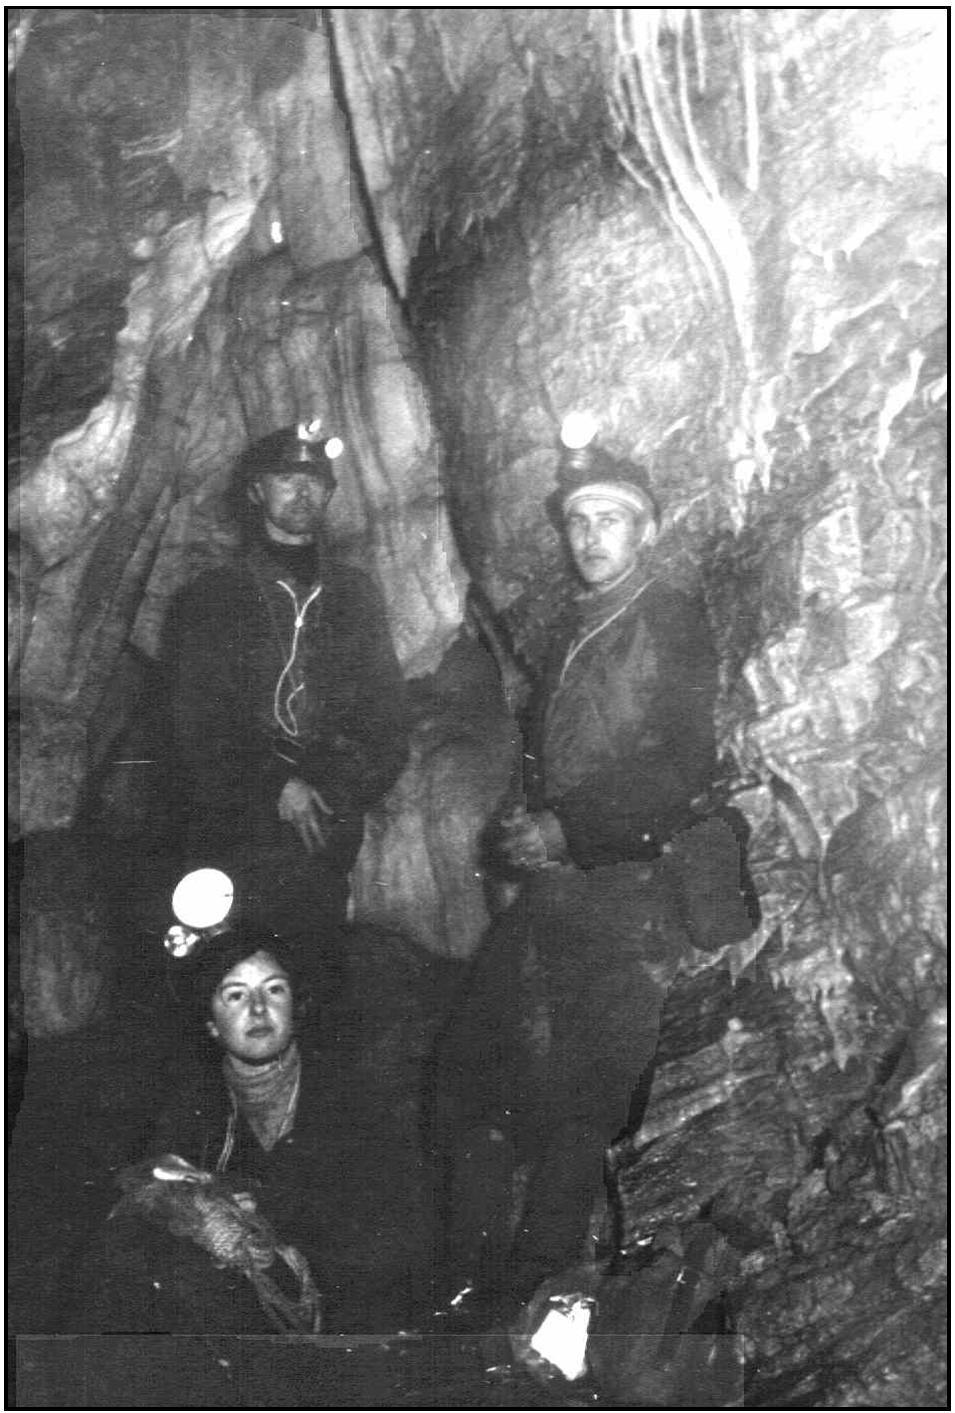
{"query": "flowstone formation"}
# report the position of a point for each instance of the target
(723, 232)
(214, 167)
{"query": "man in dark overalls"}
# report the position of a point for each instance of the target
(619, 876)
(289, 704)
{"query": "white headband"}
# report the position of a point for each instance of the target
(630, 496)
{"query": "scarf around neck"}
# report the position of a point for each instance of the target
(266, 1095)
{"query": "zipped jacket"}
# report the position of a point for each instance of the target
(344, 1185)
(622, 734)
(276, 676)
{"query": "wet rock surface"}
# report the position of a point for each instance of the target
(724, 232)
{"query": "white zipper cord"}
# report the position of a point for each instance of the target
(575, 648)
(283, 711)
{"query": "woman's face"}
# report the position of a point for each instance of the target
(252, 1010)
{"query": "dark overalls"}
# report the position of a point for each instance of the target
(559, 1018)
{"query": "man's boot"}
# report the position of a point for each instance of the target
(478, 1227)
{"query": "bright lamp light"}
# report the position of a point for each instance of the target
(578, 430)
(309, 431)
(203, 898)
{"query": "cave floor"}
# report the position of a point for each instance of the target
(157, 1372)
(79, 1108)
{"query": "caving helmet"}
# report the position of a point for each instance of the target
(587, 469)
(214, 930)
(302, 447)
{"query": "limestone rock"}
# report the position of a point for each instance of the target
(422, 869)
(726, 235)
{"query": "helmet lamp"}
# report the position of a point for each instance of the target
(578, 430)
(310, 431)
(203, 899)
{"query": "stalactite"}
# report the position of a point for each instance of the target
(699, 49)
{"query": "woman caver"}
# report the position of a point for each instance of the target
(291, 1115)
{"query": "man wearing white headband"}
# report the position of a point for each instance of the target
(289, 704)
(619, 873)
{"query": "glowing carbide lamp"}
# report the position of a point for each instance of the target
(201, 902)
(334, 448)
(179, 941)
(578, 430)
(310, 431)
(203, 899)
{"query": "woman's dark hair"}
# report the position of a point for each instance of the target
(196, 978)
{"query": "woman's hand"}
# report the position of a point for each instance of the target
(301, 805)
(529, 841)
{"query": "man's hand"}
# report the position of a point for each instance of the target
(529, 841)
(301, 805)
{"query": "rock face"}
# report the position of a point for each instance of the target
(722, 231)
(245, 308)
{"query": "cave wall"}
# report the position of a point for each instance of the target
(741, 270)
(221, 281)
(245, 308)
(753, 300)
(798, 451)
(725, 233)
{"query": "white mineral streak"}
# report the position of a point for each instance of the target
(679, 1108)
(689, 182)
(819, 976)
(698, 207)
(748, 450)
(741, 954)
(750, 83)
(897, 397)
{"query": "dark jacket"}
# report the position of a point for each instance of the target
(344, 1186)
(250, 713)
(622, 736)
(561, 1010)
